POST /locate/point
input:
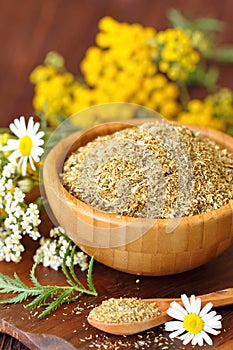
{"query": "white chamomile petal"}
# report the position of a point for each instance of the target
(197, 339)
(33, 128)
(206, 338)
(38, 142)
(39, 135)
(36, 131)
(173, 325)
(186, 303)
(215, 319)
(198, 306)
(14, 156)
(35, 158)
(211, 330)
(38, 152)
(177, 333)
(214, 324)
(30, 126)
(200, 340)
(193, 304)
(15, 128)
(11, 145)
(187, 338)
(32, 164)
(175, 314)
(24, 165)
(178, 307)
(21, 125)
(206, 309)
(210, 314)
(20, 162)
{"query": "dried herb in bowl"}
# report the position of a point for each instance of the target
(155, 170)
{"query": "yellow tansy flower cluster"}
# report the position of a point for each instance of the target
(197, 112)
(134, 64)
(222, 105)
(216, 111)
(118, 69)
(175, 54)
(53, 92)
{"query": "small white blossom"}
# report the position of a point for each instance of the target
(19, 195)
(8, 170)
(53, 250)
(9, 184)
(17, 218)
(34, 234)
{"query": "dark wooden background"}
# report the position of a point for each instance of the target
(31, 28)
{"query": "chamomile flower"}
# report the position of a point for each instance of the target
(27, 147)
(193, 323)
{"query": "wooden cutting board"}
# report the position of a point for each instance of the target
(67, 328)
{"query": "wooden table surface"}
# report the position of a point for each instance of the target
(28, 30)
(69, 325)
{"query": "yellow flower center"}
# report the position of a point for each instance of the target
(193, 323)
(25, 145)
(2, 212)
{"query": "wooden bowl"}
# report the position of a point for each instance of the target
(137, 246)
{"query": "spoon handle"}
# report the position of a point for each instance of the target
(218, 298)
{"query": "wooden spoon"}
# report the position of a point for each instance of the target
(219, 298)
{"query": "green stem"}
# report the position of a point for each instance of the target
(184, 94)
(74, 288)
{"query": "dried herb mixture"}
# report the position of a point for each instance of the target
(156, 170)
(118, 310)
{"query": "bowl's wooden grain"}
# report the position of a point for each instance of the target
(195, 241)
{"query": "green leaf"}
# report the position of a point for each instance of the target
(54, 305)
(5, 131)
(50, 297)
(71, 268)
(33, 274)
(221, 54)
(8, 284)
(71, 300)
(16, 299)
(39, 202)
(89, 275)
(207, 24)
(203, 24)
(204, 76)
(64, 268)
(176, 18)
(41, 298)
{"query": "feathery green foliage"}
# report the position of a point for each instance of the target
(51, 297)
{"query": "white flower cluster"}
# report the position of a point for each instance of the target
(16, 217)
(53, 249)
